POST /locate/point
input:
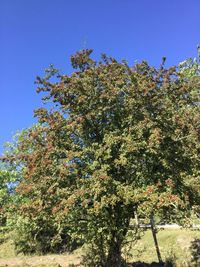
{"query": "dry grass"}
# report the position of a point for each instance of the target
(42, 261)
(174, 245)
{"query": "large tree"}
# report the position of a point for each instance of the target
(117, 141)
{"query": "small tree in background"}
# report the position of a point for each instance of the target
(117, 141)
(35, 229)
(9, 178)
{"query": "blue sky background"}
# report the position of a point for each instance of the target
(35, 33)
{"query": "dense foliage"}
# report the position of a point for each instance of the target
(117, 142)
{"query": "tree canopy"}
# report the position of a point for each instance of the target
(116, 142)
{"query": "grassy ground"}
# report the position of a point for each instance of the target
(174, 245)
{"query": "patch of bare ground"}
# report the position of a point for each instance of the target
(72, 260)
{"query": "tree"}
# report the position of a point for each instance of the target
(33, 231)
(4, 195)
(190, 67)
(117, 141)
(9, 178)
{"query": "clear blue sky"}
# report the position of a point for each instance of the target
(35, 33)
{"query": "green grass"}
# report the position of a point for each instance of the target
(174, 246)
(7, 249)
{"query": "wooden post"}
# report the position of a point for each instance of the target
(153, 230)
(136, 220)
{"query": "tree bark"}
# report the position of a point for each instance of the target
(114, 258)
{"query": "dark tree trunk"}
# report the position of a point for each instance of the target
(114, 258)
(120, 222)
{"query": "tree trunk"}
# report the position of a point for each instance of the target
(114, 258)
(121, 221)
(153, 230)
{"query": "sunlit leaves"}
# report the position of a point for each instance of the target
(119, 140)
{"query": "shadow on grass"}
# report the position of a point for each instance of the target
(195, 251)
(153, 264)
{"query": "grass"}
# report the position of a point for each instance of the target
(174, 246)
